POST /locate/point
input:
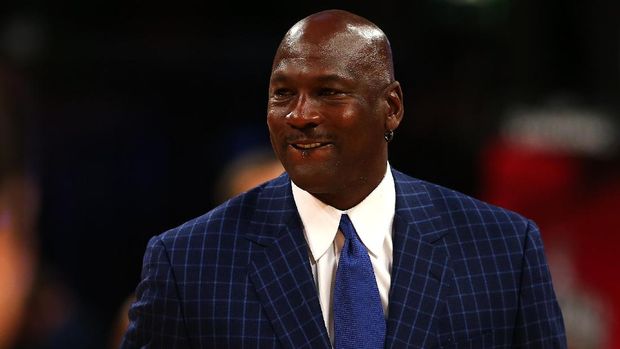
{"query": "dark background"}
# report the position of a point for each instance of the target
(134, 107)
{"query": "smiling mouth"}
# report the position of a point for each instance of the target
(308, 145)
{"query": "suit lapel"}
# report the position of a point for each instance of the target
(280, 270)
(420, 270)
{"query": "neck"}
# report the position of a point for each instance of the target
(351, 195)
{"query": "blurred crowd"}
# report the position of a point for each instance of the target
(39, 308)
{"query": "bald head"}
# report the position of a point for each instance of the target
(343, 36)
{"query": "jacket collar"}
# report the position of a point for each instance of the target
(280, 269)
(421, 269)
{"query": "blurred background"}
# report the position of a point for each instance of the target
(122, 119)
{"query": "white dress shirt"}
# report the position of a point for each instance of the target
(372, 219)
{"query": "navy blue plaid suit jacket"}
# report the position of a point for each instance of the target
(465, 275)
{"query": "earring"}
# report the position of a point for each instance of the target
(388, 135)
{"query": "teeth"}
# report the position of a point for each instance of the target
(308, 146)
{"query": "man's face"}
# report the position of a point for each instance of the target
(326, 120)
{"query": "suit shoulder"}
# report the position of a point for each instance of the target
(461, 209)
(227, 218)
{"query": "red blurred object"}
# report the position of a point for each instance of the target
(579, 221)
(541, 185)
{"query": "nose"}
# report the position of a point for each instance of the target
(305, 113)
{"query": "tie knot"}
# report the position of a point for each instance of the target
(346, 226)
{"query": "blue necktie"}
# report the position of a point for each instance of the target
(358, 314)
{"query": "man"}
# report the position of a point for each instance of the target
(343, 250)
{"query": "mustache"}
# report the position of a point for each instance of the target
(309, 135)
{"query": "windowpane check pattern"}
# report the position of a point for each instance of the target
(465, 274)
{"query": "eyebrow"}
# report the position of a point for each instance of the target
(278, 77)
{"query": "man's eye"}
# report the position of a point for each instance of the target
(330, 92)
(282, 92)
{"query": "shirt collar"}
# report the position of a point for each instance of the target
(372, 218)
